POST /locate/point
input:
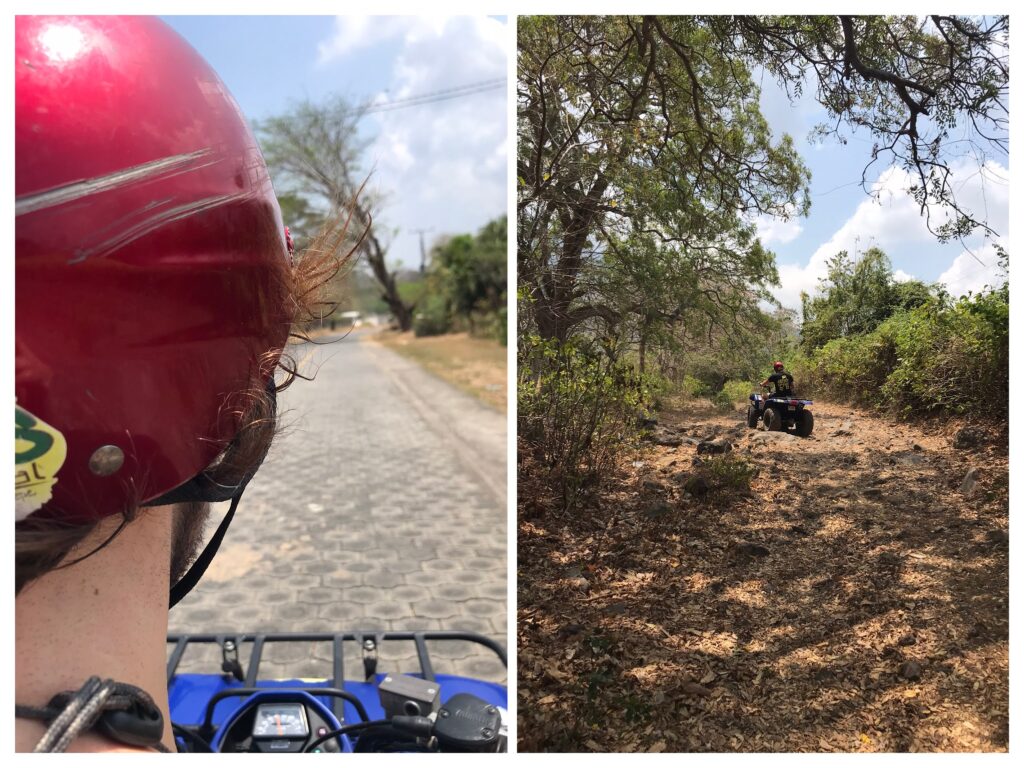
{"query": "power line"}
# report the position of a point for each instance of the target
(445, 94)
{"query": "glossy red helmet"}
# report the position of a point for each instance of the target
(777, 365)
(150, 265)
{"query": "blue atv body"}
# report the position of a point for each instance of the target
(780, 413)
(234, 710)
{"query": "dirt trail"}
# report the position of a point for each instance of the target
(855, 599)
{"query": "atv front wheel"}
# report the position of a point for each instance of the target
(751, 417)
(805, 424)
(772, 420)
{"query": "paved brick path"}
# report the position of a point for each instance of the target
(381, 507)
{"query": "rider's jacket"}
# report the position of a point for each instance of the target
(783, 383)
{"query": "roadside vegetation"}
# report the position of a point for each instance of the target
(465, 288)
(905, 348)
(319, 154)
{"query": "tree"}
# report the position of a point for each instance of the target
(649, 127)
(856, 297)
(317, 149)
(636, 130)
(476, 268)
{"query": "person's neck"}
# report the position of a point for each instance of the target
(104, 616)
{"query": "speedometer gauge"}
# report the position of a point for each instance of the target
(281, 721)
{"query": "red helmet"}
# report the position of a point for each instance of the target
(150, 264)
(777, 365)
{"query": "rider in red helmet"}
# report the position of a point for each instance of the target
(155, 291)
(780, 379)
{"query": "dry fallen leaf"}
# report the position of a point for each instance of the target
(556, 673)
(695, 689)
(658, 747)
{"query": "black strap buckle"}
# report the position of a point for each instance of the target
(140, 726)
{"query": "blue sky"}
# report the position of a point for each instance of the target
(841, 212)
(441, 166)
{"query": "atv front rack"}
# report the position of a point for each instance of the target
(368, 642)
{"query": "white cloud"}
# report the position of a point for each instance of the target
(440, 166)
(973, 272)
(902, 277)
(891, 220)
(351, 33)
(773, 230)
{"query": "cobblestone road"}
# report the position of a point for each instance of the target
(381, 507)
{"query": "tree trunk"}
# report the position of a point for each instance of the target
(375, 258)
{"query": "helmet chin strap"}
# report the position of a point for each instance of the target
(203, 487)
(186, 583)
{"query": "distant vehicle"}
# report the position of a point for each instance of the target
(352, 317)
(780, 412)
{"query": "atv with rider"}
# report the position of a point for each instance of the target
(780, 413)
(780, 410)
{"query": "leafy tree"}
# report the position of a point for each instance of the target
(317, 149)
(636, 131)
(475, 268)
(941, 356)
(928, 89)
(856, 297)
(491, 267)
(911, 294)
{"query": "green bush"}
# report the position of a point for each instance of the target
(500, 330)
(722, 401)
(728, 472)
(737, 391)
(694, 387)
(432, 317)
(941, 356)
(577, 408)
(489, 325)
(953, 358)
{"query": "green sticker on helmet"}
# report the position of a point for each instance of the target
(39, 453)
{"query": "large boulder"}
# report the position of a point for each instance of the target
(695, 485)
(713, 447)
(968, 437)
(970, 481)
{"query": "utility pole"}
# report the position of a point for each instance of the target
(423, 249)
